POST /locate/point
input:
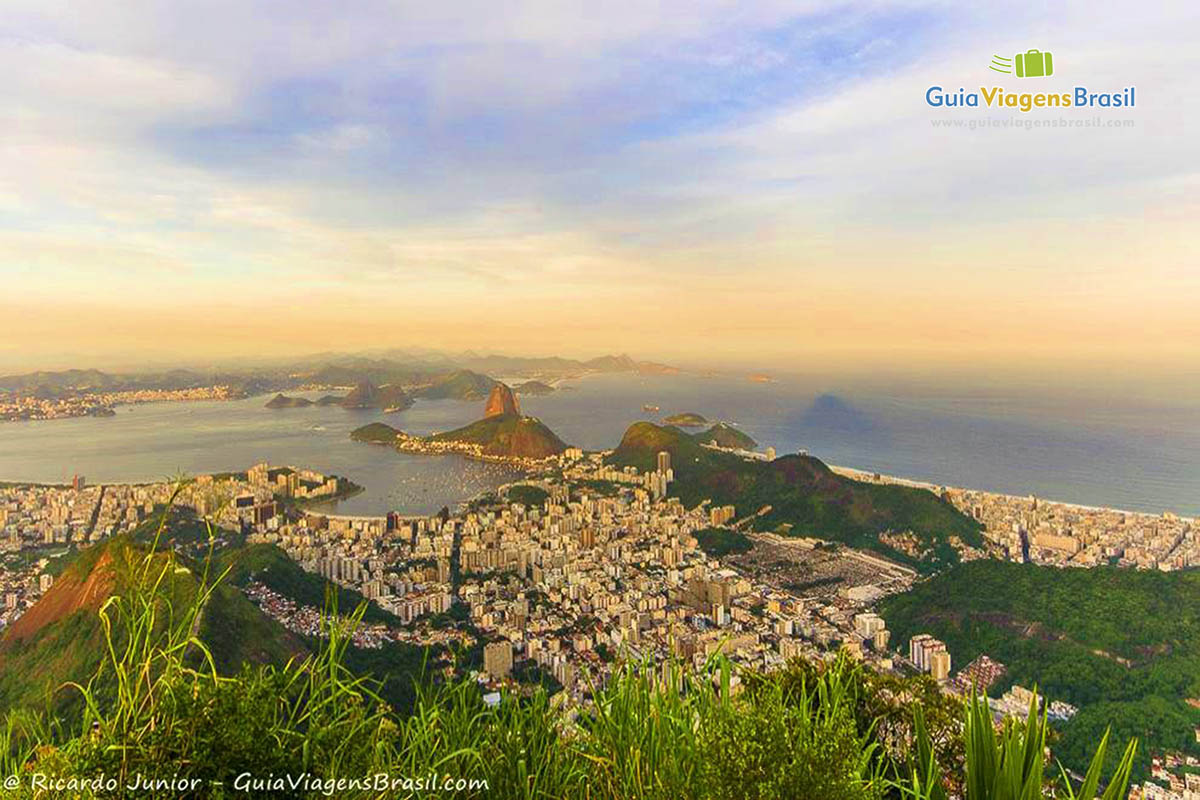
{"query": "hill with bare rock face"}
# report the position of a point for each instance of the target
(501, 402)
(61, 637)
(504, 432)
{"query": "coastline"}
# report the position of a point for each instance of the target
(530, 465)
(52, 460)
(869, 476)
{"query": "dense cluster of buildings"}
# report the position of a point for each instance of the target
(1177, 776)
(606, 566)
(429, 446)
(1017, 700)
(979, 676)
(930, 655)
(22, 406)
(1031, 529)
(39, 522)
(1063, 534)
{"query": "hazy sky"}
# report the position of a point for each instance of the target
(736, 181)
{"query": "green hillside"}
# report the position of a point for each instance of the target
(270, 566)
(527, 495)
(727, 436)
(375, 433)
(805, 496)
(1121, 644)
(61, 638)
(720, 542)
(688, 419)
(643, 441)
(503, 435)
(508, 435)
(460, 385)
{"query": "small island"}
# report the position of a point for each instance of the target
(376, 433)
(688, 419)
(283, 401)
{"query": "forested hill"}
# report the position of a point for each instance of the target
(61, 637)
(805, 497)
(1123, 645)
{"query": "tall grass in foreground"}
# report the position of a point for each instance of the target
(1009, 765)
(157, 707)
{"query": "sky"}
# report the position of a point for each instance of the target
(735, 182)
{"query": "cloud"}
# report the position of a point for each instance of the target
(50, 83)
(539, 152)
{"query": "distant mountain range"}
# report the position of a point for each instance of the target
(82, 381)
(463, 377)
(462, 384)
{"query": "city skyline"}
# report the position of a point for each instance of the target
(681, 182)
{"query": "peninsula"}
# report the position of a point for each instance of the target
(502, 435)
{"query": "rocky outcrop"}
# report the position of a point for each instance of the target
(501, 402)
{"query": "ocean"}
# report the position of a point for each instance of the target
(1093, 452)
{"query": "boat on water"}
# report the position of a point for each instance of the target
(651, 408)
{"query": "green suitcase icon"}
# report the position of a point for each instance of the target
(1034, 64)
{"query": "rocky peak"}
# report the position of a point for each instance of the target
(501, 402)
